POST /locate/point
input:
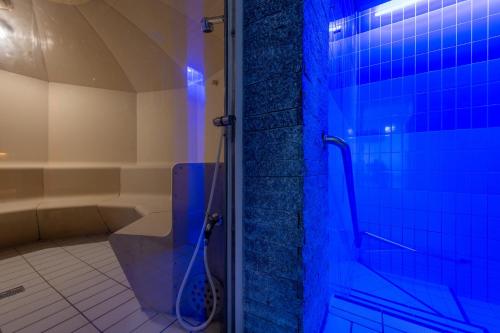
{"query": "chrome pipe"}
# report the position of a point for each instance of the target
(349, 177)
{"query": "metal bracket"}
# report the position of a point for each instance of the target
(224, 121)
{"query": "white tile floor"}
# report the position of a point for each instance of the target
(73, 285)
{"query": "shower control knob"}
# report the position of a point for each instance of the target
(213, 220)
(224, 121)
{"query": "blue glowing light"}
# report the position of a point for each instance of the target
(334, 27)
(196, 114)
(194, 77)
(414, 91)
(391, 6)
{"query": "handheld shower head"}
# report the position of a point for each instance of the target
(207, 23)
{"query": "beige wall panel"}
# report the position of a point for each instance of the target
(23, 119)
(162, 131)
(147, 66)
(91, 125)
(20, 52)
(77, 181)
(74, 52)
(169, 128)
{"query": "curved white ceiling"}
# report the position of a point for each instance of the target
(126, 45)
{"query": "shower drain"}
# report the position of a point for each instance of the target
(11, 292)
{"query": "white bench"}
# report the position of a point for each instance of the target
(46, 202)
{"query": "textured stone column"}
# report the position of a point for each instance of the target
(285, 164)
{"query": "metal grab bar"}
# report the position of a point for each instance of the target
(349, 177)
(388, 241)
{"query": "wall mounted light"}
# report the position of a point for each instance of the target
(391, 6)
(334, 27)
(389, 129)
(194, 77)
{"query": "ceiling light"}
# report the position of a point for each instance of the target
(391, 6)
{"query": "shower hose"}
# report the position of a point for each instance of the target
(201, 240)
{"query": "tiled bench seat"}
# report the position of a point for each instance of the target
(50, 202)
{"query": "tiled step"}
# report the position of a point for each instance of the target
(379, 315)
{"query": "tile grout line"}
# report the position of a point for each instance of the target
(39, 320)
(147, 321)
(107, 299)
(25, 295)
(119, 320)
(98, 292)
(87, 279)
(166, 328)
(98, 270)
(62, 322)
(23, 305)
(130, 314)
(57, 291)
(77, 252)
(31, 312)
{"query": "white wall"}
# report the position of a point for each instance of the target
(42, 122)
(175, 125)
(23, 118)
(91, 125)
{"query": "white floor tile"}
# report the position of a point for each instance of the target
(131, 322)
(89, 292)
(69, 282)
(108, 305)
(35, 316)
(39, 297)
(70, 325)
(89, 328)
(156, 324)
(48, 322)
(100, 297)
(27, 308)
(117, 314)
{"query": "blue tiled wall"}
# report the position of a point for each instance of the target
(417, 95)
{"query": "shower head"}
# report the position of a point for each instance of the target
(207, 23)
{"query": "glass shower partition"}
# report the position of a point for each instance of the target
(414, 93)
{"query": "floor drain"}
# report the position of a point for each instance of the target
(11, 292)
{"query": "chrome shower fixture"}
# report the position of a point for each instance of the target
(6, 5)
(207, 23)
